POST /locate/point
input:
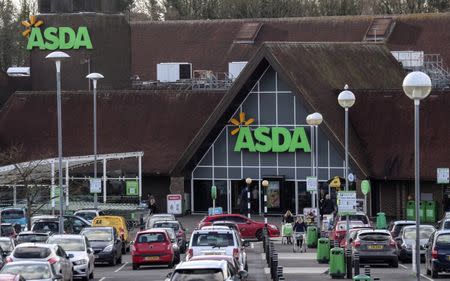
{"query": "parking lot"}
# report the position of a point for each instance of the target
(296, 266)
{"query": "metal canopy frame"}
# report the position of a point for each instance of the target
(9, 174)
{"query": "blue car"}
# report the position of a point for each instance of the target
(437, 255)
(14, 216)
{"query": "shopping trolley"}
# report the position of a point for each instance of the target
(287, 231)
(299, 236)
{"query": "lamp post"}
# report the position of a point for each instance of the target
(94, 77)
(248, 181)
(417, 86)
(346, 99)
(310, 123)
(57, 57)
(314, 120)
(265, 184)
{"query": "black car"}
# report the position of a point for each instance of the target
(32, 237)
(437, 253)
(72, 225)
(106, 244)
(375, 246)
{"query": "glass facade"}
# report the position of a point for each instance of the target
(271, 104)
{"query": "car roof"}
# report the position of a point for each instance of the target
(41, 245)
(444, 231)
(110, 228)
(212, 257)
(202, 264)
(168, 229)
(162, 215)
(374, 231)
(70, 236)
(109, 217)
(224, 222)
(152, 230)
(404, 222)
(422, 225)
(28, 262)
(215, 227)
(170, 221)
(3, 238)
(31, 233)
(219, 230)
(88, 210)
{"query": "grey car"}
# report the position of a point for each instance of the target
(80, 253)
(33, 270)
(407, 240)
(375, 246)
(106, 244)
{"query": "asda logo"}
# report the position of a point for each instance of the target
(55, 38)
(268, 139)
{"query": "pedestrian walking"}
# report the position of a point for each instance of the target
(152, 207)
(243, 200)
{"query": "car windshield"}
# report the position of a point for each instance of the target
(6, 245)
(362, 218)
(351, 224)
(447, 225)
(98, 235)
(7, 230)
(68, 244)
(172, 225)
(399, 227)
(89, 216)
(151, 238)
(32, 237)
(443, 240)
(424, 233)
(46, 226)
(29, 271)
(12, 214)
(32, 252)
(213, 239)
(198, 274)
(374, 237)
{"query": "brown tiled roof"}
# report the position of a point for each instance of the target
(316, 72)
(384, 122)
(210, 44)
(159, 123)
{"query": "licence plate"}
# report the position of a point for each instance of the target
(152, 258)
(375, 247)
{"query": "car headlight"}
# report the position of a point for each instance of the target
(108, 248)
(80, 262)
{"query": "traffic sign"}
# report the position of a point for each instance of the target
(346, 201)
(365, 187)
(351, 177)
(95, 185)
(443, 175)
(311, 184)
(213, 192)
(132, 188)
(174, 204)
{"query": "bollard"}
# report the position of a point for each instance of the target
(264, 238)
(348, 258)
(274, 266)
(367, 270)
(356, 263)
(279, 272)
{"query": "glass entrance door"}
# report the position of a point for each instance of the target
(238, 198)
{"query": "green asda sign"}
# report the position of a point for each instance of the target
(272, 139)
(59, 38)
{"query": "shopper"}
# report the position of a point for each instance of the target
(288, 217)
(299, 227)
(243, 200)
(152, 207)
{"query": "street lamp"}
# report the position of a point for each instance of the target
(248, 181)
(57, 57)
(265, 184)
(417, 86)
(346, 99)
(94, 77)
(314, 120)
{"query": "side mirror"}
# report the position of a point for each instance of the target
(243, 274)
(69, 256)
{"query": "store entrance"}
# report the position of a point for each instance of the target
(239, 199)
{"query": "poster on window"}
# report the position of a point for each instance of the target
(273, 194)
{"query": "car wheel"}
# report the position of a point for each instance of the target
(259, 235)
(394, 263)
(124, 249)
(428, 271)
(119, 260)
(135, 266)
(434, 273)
(113, 261)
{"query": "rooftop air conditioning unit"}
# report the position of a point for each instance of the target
(173, 71)
(409, 59)
(235, 68)
(18, 71)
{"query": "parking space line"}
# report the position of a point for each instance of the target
(403, 266)
(426, 277)
(117, 270)
(101, 279)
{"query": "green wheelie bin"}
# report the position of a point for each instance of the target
(430, 212)
(381, 221)
(410, 210)
(337, 263)
(311, 236)
(323, 250)
(362, 277)
(422, 212)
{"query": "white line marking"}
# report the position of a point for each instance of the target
(403, 266)
(426, 277)
(101, 279)
(301, 270)
(123, 265)
(252, 245)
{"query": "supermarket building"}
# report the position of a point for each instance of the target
(281, 70)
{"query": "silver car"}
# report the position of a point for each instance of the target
(80, 253)
(33, 270)
(52, 253)
(158, 217)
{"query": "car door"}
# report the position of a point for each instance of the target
(65, 263)
(244, 228)
(90, 253)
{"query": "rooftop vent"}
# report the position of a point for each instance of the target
(248, 33)
(379, 29)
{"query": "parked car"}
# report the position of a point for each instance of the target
(396, 226)
(8, 230)
(444, 224)
(14, 216)
(152, 247)
(106, 243)
(72, 225)
(80, 253)
(233, 264)
(11, 277)
(173, 240)
(32, 270)
(89, 214)
(230, 224)
(248, 228)
(30, 236)
(180, 232)
(407, 240)
(7, 244)
(217, 241)
(359, 216)
(51, 253)
(339, 230)
(203, 270)
(119, 224)
(376, 246)
(158, 217)
(352, 233)
(437, 253)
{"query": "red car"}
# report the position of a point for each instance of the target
(340, 229)
(249, 228)
(152, 247)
